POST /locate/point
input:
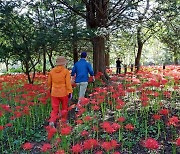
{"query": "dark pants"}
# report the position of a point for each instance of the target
(118, 70)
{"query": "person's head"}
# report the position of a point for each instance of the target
(61, 61)
(83, 55)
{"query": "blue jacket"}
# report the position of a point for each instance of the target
(82, 68)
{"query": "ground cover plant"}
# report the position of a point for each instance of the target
(134, 113)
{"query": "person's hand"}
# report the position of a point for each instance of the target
(70, 96)
(93, 79)
(72, 80)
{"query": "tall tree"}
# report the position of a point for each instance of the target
(20, 32)
(170, 33)
(99, 15)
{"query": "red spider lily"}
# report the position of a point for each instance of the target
(114, 144)
(164, 111)
(129, 127)
(30, 103)
(130, 90)
(167, 94)
(176, 87)
(66, 130)
(84, 133)
(17, 114)
(87, 118)
(174, 120)
(84, 101)
(81, 111)
(99, 152)
(79, 122)
(9, 125)
(115, 95)
(144, 98)
(45, 147)
(164, 81)
(60, 152)
(51, 131)
(121, 119)
(6, 107)
(144, 104)
(27, 146)
(90, 143)
(106, 146)
(23, 102)
(116, 152)
(156, 94)
(93, 101)
(109, 129)
(1, 114)
(12, 118)
(77, 148)
(26, 110)
(120, 102)
(150, 143)
(1, 127)
(43, 100)
(95, 107)
(116, 126)
(105, 124)
(178, 141)
(18, 107)
(156, 117)
(90, 79)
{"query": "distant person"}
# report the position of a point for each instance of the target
(81, 70)
(118, 66)
(59, 82)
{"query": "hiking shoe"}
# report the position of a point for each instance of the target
(76, 109)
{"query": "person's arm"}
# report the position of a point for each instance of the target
(68, 83)
(73, 71)
(90, 69)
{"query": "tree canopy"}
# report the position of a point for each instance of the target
(37, 30)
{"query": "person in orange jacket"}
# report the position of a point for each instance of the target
(59, 82)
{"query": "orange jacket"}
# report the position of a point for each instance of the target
(59, 81)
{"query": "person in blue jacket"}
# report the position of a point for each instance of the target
(81, 70)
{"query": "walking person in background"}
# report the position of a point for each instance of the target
(118, 66)
(81, 70)
(59, 82)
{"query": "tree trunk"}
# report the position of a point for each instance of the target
(175, 58)
(7, 65)
(99, 56)
(44, 60)
(27, 72)
(50, 58)
(107, 59)
(75, 51)
(138, 57)
(140, 46)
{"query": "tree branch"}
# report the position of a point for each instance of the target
(72, 9)
(111, 10)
